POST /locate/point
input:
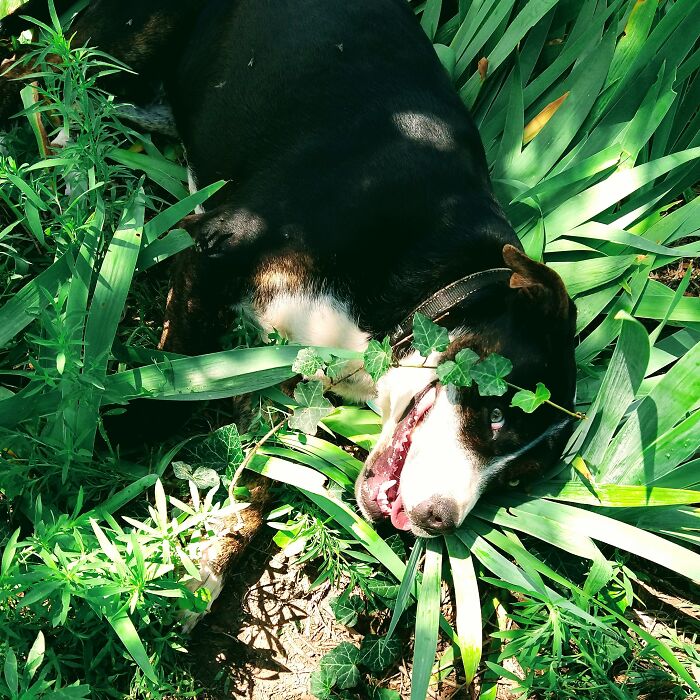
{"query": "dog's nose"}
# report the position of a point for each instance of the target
(436, 515)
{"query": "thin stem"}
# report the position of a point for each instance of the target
(400, 364)
(574, 414)
(340, 380)
(250, 455)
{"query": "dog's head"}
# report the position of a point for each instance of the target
(441, 447)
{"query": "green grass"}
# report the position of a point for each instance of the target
(97, 553)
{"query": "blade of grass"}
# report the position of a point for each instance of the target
(161, 249)
(359, 425)
(615, 495)
(337, 456)
(217, 375)
(527, 18)
(24, 306)
(427, 620)
(512, 140)
(620, 385)
(668, 402)
(576, 542)
(677, 296)
(606, 332)
(657, 302)
(164, 221)
(320, 465)
(124, 627)
(598, 198)
(633, 37)
(106, 307)
(430, 17)
(618, 534)
(552, 141)
(584, 275)
(663, 454)
(468, 604)
(408, 587)
(309, 480)
(161, 171)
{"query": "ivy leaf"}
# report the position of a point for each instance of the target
(338, 368)
(459, 371)
(341, 665)
(377, 358)
(489, 374)
(397, 546)
(322, 682)
(313, 407)
(205, 478)
(346, 608)
(529, 400)
(182, 470)
(307, 362)
(379, 653)
(221, 451)
(376, 693)
(385, 590)
(428, 336)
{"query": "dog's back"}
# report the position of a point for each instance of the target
(348, 151)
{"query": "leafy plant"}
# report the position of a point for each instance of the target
(341, 669)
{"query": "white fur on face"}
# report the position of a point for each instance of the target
(439, 466)
(395, 390)
(398, 386)
(321, 319)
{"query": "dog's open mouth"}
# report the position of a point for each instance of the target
(383, 485)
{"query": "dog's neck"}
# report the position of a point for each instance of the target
(432, 269)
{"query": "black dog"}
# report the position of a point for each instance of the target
(358, 190)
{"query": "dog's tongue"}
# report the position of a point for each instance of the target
(399, 519)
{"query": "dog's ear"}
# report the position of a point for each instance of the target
(536, 281)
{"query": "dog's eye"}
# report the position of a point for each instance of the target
(497, 419)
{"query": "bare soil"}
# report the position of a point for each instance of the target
(268, 630)
(671, 275)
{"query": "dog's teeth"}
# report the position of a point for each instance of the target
(382, 498)
(381, 494)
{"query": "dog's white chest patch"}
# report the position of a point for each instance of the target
(312, 319)
(321, 319)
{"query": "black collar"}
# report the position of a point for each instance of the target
(455, 295)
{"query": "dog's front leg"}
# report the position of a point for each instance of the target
(195, 311)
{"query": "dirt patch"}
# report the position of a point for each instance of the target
(268, 630)
(671, 275)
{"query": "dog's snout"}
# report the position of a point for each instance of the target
(436, 515)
